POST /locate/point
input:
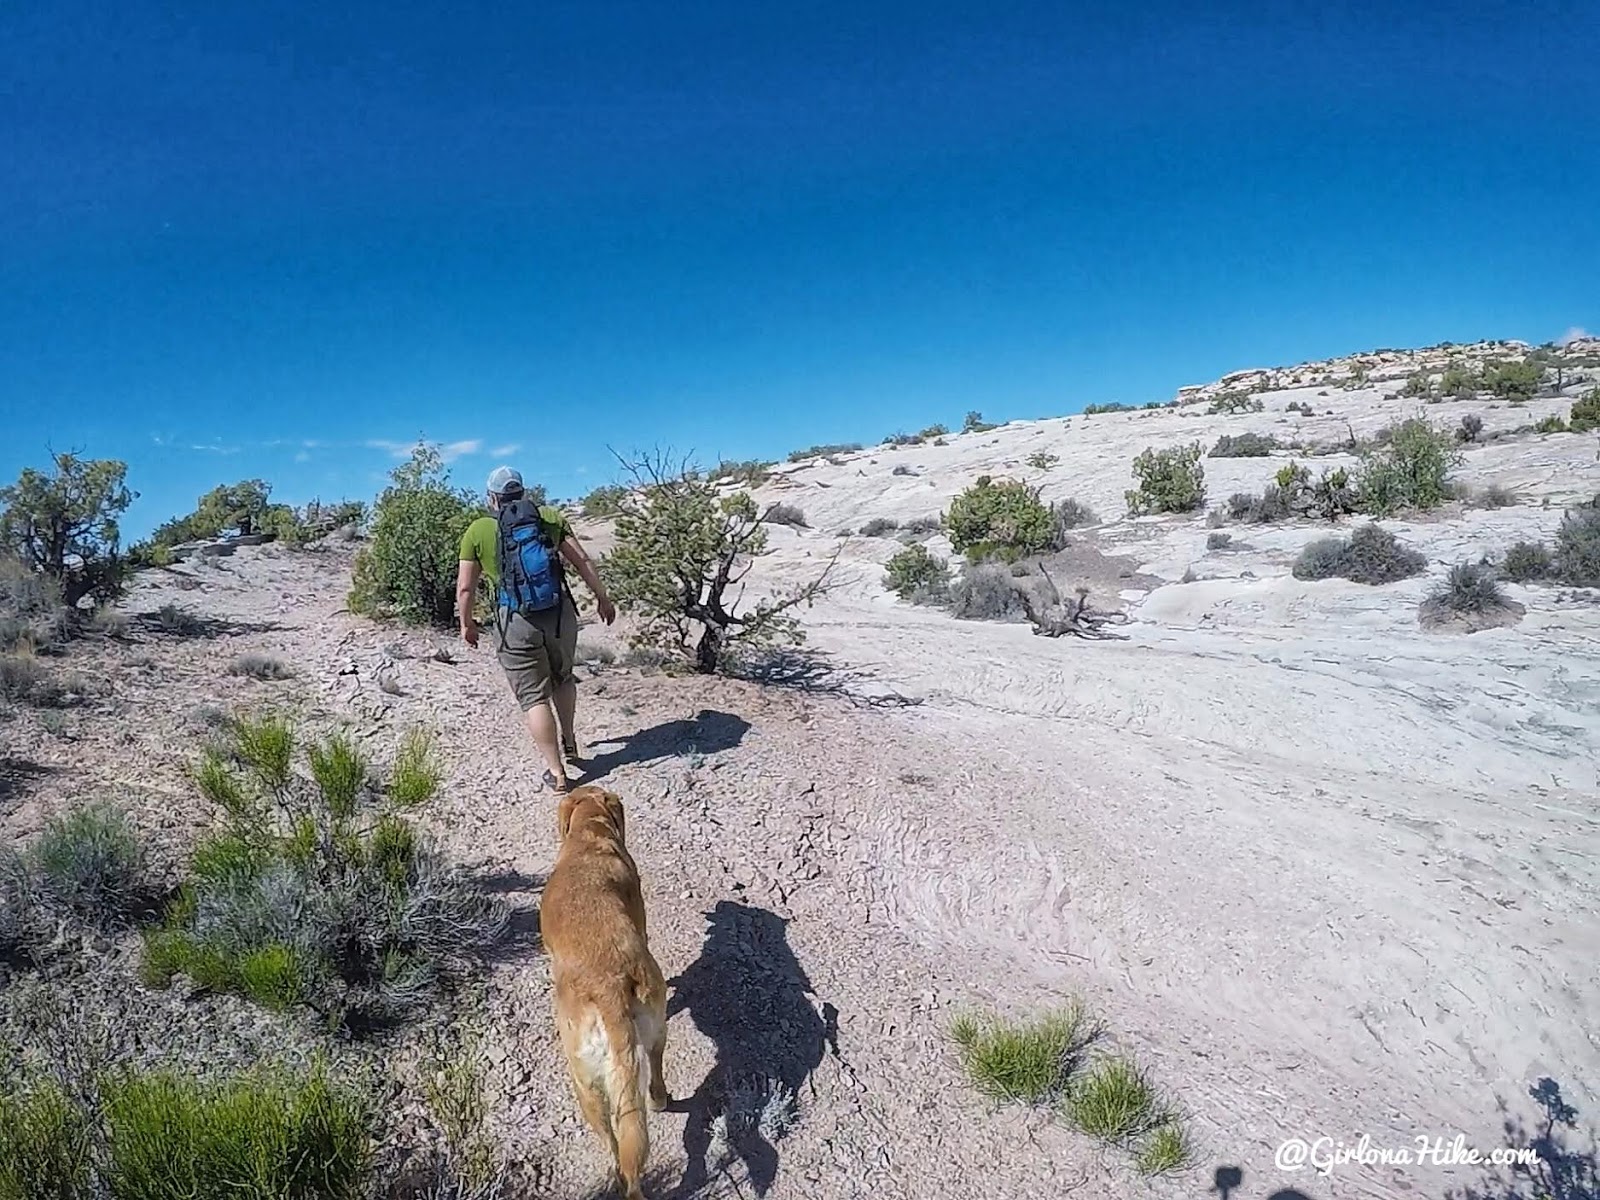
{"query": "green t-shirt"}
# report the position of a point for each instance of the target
(480, 541)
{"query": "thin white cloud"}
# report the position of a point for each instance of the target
(302, 456)
(451, 451)
(1574, 334)
(214, 448)
(448, 452)
(505, 451)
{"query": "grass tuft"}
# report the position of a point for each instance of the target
(416, 775)
(1114, 1101)
(1027, 1061)
(1166, 1149)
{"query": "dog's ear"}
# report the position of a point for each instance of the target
(613, 803)
(564, 815)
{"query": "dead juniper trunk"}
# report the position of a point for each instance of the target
(1073, 617)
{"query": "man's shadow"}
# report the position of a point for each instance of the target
(709, 732)
(748, 993)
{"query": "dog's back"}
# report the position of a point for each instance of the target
(610, 996)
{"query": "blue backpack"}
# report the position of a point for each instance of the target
(530, 570)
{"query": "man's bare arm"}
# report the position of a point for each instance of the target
(466, 586)
(572, 550)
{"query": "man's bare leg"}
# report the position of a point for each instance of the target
(542, 725)
(566, 699)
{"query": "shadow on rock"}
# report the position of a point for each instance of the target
(1565, 1170)
(815, 673)
(170, 621)
(708, 733)
(17, 776)
(749, 995)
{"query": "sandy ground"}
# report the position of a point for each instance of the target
(1325, 873)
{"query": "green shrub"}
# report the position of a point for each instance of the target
(680, 528)
(1295, 493)
(1585, 414)
(1524, 562)
(1578, 546)
(915, 572)
(318, 891)
(1113, 406)
(1408, 468)
(1513, 380)
(824, 451)
(1227, 403)
(605, 501)
(746, 472)
(1459, 383)
(408, 569)
(879, 527)
(1244, 445)
(1469, 429)
(974, 423)
(985, 592)
(263, 1136)
(64, 525)
(242, 507)
(1370, 555)
(1000, 520)
(1025, 1061)
(1040, 460)
(1418, 384)
(45, 1144)
(1114, 1101)
(1169, 481)
(91, 860)
(1551, 424)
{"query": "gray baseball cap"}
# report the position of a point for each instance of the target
(505, 479)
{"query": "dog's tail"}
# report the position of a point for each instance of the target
(630, 1033)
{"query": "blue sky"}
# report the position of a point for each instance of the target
(277, 240)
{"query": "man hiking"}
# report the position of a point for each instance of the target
(522, 549)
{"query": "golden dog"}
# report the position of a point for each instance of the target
(610, 997)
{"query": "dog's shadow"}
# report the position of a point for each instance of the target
(747, 993)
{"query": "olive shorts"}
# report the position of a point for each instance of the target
(536, 651)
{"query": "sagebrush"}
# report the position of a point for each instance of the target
(319, 891)
(1371, 555)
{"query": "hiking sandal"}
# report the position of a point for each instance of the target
(571, 749)
(559, 786)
